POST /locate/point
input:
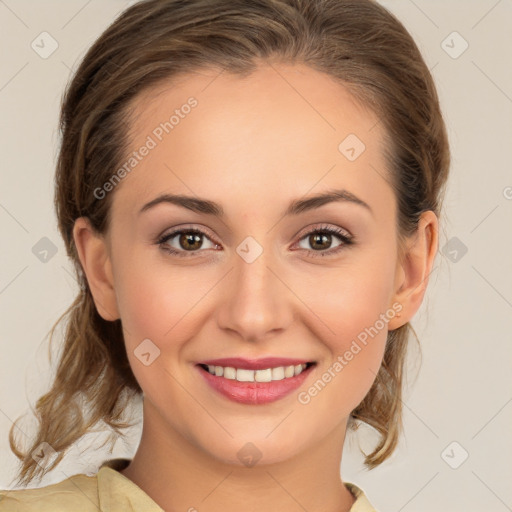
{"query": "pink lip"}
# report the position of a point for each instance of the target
(254, 393)
(254, 364)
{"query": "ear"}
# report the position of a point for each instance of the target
(95, 259)
(414, 270)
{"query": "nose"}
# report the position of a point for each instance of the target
(257, 304)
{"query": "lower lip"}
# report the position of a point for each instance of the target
(254, 393)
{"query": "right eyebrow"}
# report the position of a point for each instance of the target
(191, 203)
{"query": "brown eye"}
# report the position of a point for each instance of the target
(183, 241)
(190, 241)
(320, 241)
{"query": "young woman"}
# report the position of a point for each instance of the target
(250, 192)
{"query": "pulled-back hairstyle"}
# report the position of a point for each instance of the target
(356, 42)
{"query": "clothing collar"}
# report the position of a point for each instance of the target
(117, 493)
(361, 504)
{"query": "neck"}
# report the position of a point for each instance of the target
(179, 475)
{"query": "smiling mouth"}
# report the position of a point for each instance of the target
(270, 374)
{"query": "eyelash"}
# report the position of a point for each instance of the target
(341, 234)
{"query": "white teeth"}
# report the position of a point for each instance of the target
(289, 371)
(244, 375)
(266, 375)
(263, 375)
(229, 373)
(278, 373)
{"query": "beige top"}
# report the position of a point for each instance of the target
(107, 491)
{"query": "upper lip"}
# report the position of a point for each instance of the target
(255, 364)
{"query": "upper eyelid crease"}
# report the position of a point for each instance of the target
(296, 207)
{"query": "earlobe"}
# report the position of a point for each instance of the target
(95, 259)
(414, 271)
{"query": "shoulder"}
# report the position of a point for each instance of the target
(78, 492)
(362, 504)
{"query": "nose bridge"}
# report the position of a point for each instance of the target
(255, 277)
(257, 299)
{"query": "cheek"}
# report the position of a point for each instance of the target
(158, 306)
(355, 351)
(350, 299)
(158, 302)
(352, 311)
(141, 306)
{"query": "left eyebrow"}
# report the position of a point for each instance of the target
(330, 196)
(296, 207)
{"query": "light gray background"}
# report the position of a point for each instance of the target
(463, 392)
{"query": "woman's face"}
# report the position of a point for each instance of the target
(254, 283)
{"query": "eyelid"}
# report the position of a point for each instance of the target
(324, 227)
(189, 227)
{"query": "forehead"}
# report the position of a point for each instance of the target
(281, 131)
(271, 90)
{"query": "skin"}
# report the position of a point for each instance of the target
(253, 145)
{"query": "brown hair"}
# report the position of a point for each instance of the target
(357, 42)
